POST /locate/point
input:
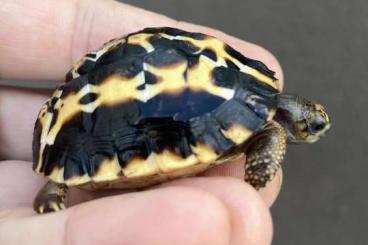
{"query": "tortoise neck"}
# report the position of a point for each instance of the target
(290, 112)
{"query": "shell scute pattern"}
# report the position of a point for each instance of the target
(156, 102)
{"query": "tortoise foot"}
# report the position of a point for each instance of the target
(51, 198)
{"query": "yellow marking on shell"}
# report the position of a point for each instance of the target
(237, 134)
(169, 162)
(126, 182)
(139, 167)
(200, 79)
(142, 39)
(57, 175)
(77, 180)
(219, 47)
(171, 80)
(108, 170)
(117, 89)
(204, 153)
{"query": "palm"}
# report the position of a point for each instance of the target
(201, 206)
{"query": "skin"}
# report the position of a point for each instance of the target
(41, 40)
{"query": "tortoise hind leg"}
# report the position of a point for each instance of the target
(50, 198)
(265, 152)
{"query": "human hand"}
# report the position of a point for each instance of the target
(40, 40)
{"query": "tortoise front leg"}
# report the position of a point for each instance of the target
(50, 198)
(265, 152)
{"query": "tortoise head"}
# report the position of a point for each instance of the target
(315, 124)
(304, 121)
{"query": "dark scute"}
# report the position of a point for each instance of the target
(60, 87)
(128, 67)
(185, 47)
(74, 86)
(210, 54)
(75, 148)
(206, 130)
(50, 108)
(192, 61)
(231, 65)
(68, 76)
(87, 66)
(232, 112)
(166, 134)
(75, 166)
(249, 82)
(124, 60)
(250, 62)
(224, 77)
(36, 143)
(124, 156)
(88, 98)
(230, 78)
(182, 106)
(109, 120)
(150, 78)
(111, 55)
(161, 43)
(260, 104)
(141, 87)
(91, 55)
(167, 57)
(53, 101)
(48, 164)
(55, 116)
(133, 50)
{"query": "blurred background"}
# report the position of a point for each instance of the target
(322, 47)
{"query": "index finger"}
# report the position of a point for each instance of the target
(41, 39)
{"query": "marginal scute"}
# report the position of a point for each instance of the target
(109, 169)
(139, 167)
(204, 153)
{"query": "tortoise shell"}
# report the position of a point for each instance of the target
(153, 105)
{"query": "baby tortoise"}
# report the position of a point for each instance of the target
(164, 103)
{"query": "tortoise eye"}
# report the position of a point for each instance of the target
(318, 125)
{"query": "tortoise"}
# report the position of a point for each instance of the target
(160, 104)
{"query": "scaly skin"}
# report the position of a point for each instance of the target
(265, 152)
(51, 198)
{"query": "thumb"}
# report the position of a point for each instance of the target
(184, 214)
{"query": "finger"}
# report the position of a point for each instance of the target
(18, 184)
(18, 113)
(236, 169)
(172, 215)
(67, 29)
(240, 208)
(54, 34)
(22, 184)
